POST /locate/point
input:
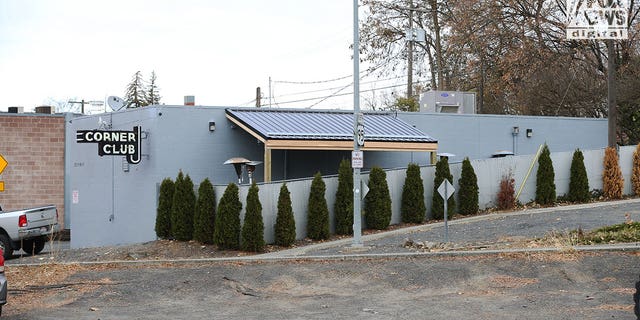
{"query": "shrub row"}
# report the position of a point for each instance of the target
(180, 216)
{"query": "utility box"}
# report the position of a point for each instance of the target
(448, 102)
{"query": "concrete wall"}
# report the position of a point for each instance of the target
(33, 145)
(488, 171)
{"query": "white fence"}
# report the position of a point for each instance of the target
(488, 171)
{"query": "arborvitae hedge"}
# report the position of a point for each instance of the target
(253, 227)
(377, 207)
(437, 205)
(343, 207)
(612, 181)
(318, 212)
(635, 172)
(285, 228)
(413, 208)
(182, 211)
(205, 218)
(165, 202)
(468, 189)
(227, 231)
(579, 181)
(545, 184)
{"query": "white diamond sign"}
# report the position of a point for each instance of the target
(446, 189)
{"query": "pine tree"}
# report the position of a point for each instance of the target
(204, 220)
(437, 204)
(545, 184)
(136, 92)
(343, 207)
(635, 172)
(468, 189)
(152, 95)
(318, 212)
(182, 211)
(227, 232)
(377, 207)
(413, 208)
(165, 202)
(285, 228)
(578, 181)
(612, 180)
(253, 227)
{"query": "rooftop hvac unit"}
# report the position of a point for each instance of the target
(16, 110)
(44, 109)
(448, 102)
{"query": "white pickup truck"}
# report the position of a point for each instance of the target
(27, 229)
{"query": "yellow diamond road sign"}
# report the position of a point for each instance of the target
(3, 164)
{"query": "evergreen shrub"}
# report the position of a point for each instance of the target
(377, 208)
(227, 231)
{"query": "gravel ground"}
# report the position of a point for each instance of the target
(558, 285)
(515, 286)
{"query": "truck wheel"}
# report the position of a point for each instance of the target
(33, 246)
(6, 246)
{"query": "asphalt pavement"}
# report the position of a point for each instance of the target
(482, 230)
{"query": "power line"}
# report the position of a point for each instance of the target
(334, 88)
(340, 94)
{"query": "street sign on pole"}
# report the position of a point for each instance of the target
(357, 159)
(3, 165)
(446, 190)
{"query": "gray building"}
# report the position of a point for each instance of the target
(111, 198)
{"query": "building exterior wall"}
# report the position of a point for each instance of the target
(33, 145)
(479, 136)
(113, 202)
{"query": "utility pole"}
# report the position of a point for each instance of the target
(410, 54)
(357, 215)
(611, 93)
(258, 97)
(82, 102)
(270, 92)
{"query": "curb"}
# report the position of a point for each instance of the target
(627, 247)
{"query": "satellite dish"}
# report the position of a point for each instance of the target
(115, 103)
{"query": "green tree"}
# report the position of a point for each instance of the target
(285, 228)
(165, 202)
(152, 94)
(407, 104)
(578, 181)
(468, 189)
(545, 184)
(204, 220)
(253, 227)
(135, 96)
(377, 207)
(413, 208)
(182, 210)
(343, 207)
(437, 205)
(227, 232)
(318, 212)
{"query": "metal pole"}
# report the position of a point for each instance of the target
(357, 215)
(446, 224)
(611, 93)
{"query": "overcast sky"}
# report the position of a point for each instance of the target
(219, 51)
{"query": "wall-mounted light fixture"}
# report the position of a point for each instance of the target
(515, 131)
(212, 126)
(529, 133)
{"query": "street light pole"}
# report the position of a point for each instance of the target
(357, 216)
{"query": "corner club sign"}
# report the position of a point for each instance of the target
(597, 19)
(114, 143)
